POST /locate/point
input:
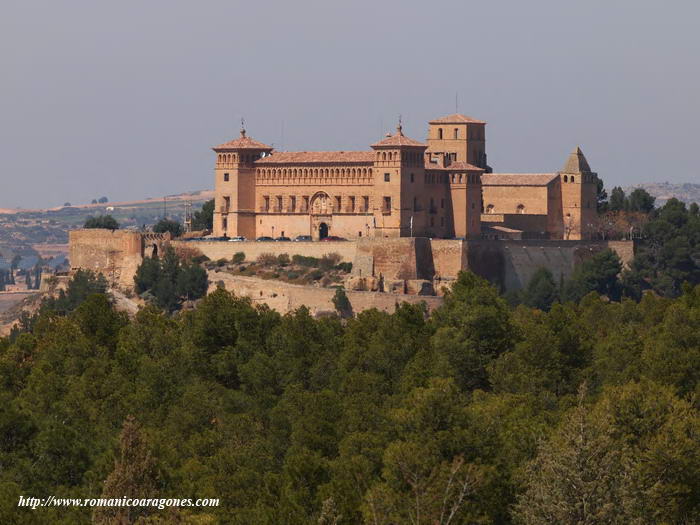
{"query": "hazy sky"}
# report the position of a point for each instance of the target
(125, 99)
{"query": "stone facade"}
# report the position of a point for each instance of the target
(398, 188)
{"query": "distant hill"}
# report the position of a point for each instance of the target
(663, 191)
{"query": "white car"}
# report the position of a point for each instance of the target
(240, 238)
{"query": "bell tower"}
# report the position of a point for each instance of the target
(579, 189)
(460, 139)
(234, 201)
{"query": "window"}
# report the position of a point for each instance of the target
(432, 221)
(266, 203)
(224, 224)
(442, 203)
(293, 204)
(352, 203)
(521, 208)
(566, 178)
(227, 204)
(365, 203)
(306, 203)
(490, 208)
(456, 133)
(387, 177)
(440, 133)
(387, 204)
(225, 177)
(412, 177)
(337, 203)
(572, 178)
(279, 203)
(415, 204)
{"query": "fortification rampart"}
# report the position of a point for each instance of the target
(285, 297)
(216, 250)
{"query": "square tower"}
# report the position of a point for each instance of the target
(579, 189)
(460, 139)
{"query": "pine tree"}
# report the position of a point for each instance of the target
(134, 476)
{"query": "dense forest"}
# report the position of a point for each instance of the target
(478, 413)
(567, 402)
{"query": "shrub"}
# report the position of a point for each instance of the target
(104, 221)
(315, 275)
(329, 260)
(238, 258)
(283, 259)
(267, 259)
(221, 262)
(292, 275)
(344, 267)
(302, 260)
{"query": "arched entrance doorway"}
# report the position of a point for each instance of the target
(322, 230)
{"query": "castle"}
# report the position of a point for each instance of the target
(443, 188)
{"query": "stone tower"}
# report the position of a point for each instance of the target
(460, 139)
(398, 178)
(579, 189)
(234, 204)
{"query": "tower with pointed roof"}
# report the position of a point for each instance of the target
(234, 201)
(579, 188)
(398, 180)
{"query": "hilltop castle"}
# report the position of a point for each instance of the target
(399, 188)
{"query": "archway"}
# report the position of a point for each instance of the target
(322, 230)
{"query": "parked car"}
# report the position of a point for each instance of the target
(332, 238)
(303, 238)
(264, 239)
(224, 238)
(282, 239)
(239, 238)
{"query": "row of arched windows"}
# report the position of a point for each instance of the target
(457, 178)
(409, 157)
(264, 174)
(228, 158)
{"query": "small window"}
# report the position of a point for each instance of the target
(440, 133)
(387, 204)
(456, 133)
(225, 177)
(572, 179)
(490, 208)
(521, 208)
(442, 203)
(412, 177)
(387, 177)
(566, 178)
(337, 203)
(224, 224)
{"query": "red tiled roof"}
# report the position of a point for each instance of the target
(517, 179)
(398, 139)
(242, 142)
(456, 118)
(318, 157)
(455, 166)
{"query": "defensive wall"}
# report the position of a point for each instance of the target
(508, 263)
(116, 254)
(285, 297)
(216, 250)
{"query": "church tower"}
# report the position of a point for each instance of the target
(579, 191)
(234, 201)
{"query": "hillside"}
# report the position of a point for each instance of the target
(687, 192)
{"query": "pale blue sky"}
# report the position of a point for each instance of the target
(126, 98)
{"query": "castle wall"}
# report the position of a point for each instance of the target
(216, 250)
(114, 253)
(285, 297)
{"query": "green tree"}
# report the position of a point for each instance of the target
(192, 282)
(103, 221)
(342, 303)
(134, 475)
(167, 225)
(204, 219)
(640, 200)
(601, 197)
(596, 274)
(542, 291)
(617, 199)
(472, 328)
